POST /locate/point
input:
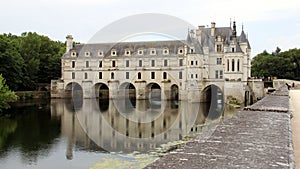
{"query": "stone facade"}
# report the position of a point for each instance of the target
(188, 68)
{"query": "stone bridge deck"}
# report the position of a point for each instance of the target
(257, 137)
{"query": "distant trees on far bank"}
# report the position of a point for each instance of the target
(277, 64)
(29, 59)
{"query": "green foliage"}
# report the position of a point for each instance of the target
(278, 64)
(29, 59)
(6, 95)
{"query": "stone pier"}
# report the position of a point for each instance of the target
(257, 137)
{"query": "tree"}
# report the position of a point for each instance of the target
(6, 95)
(278, 64)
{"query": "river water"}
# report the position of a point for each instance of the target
(92, 133)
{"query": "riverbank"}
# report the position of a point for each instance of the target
(258, 137)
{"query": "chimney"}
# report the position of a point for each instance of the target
(69, 44)
(213, 29)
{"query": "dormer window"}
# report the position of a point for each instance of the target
(140, 51)
(232, 50)
(113, 52)
(87, 53)
(73, 54)
(180, 51)
(127, 52)
(165, 51)
(192, 50)
(100, 53)
(219, 48)
(152, 51)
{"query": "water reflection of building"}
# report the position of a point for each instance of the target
(117, 127)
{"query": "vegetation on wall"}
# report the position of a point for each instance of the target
(277, 64)
(29, 59)
(6, 95)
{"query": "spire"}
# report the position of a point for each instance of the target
(234, 29)
(188, 38)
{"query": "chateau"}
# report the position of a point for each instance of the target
(210, 58)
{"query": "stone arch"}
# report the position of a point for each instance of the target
(128, 90)
(73, 89)
(153, 91)
(101, 90)
(214, 98)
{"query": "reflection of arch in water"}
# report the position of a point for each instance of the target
(174, 92)
(101, 90)
(214, 96)
(74, 90)
(127, 90)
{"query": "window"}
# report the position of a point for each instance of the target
(219, 48)
(180, 51)
(228, 65)
(100, 63)
(232, 66)
(217, 74)
(140, 63)
(113, 52)
(127, 63)
(73, 64)
(192, 50)
(166, 51)
(73, 54)
(73, 75)
(221, 74)
(219, 61)
(180, 62)
(232, 49)
(140, 52)
(139, 75)
(127, 75)
(196, 62)
(87, 53)
(100, 75)
(113, 63)
(85, 76)
(87, 64)
(100, 53)
(152, 52)
(180, 75)
(152, 75)
(238, 65)
(192, 63)
(165, 75)
(196, 76)
(165, 62)
(153, 63)
(112, 75)
(127, 52)
(192, 76)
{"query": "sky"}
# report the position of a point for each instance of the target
(268, 23)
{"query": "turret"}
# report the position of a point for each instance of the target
(69, 44)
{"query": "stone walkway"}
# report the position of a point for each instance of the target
(257, 137)
(295, 108)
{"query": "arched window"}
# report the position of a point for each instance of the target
(112, 75)
(238, 65)
(232, 66)
(165, 75)
(139, 75)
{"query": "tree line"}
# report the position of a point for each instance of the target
(285, 65)
(29, 59)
